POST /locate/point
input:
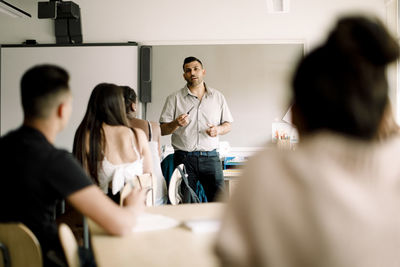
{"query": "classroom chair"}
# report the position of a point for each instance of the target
(145, 180)
(19, 246)
(69, 245)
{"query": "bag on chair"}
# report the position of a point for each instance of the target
(180, 191)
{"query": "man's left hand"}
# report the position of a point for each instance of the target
(213, 131)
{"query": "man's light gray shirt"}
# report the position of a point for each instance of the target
(212, 109)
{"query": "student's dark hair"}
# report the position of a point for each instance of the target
(41, 88)
(106, 105)
(191, 59)
(341, 85)
(130, 97)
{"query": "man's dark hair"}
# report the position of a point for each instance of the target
(191, 59)
(130, 97)
(41, 88)
(341, 86)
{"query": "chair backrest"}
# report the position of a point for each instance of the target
(21, 244)
(174, 192)
(145, 180)
(69, 245)
(124, 193)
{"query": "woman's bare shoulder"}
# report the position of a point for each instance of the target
(117, 131)
(140, 134)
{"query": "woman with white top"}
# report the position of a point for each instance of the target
(153, 133)
(110, 151)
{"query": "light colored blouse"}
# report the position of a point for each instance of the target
(161, 187)
(118, 174)
(335, 201)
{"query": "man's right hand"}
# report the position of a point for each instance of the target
(170, 127)
(182, 120)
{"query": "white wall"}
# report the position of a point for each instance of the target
(174, 21)
(393, 23)
(254, 79)
(163, 20)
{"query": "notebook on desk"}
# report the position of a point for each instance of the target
(203, 225)
(152, 222)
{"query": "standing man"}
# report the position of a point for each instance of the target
(195, 116)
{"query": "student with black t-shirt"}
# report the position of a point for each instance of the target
(39, 174)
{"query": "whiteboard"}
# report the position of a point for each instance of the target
(254, 78)
(88, 65)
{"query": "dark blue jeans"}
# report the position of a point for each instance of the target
(206, 169)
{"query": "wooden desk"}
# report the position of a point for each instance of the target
(172, 247)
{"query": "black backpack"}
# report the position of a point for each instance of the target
(186, 194)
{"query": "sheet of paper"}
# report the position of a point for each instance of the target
(203, 226)
(152, 222)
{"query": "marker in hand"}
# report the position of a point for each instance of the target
(183, 120)
(189, 110)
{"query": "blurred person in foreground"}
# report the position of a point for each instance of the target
(336, 200)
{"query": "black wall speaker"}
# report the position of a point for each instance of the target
(145, 74)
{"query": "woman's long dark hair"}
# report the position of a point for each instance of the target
(106, 105)
(341, 86)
